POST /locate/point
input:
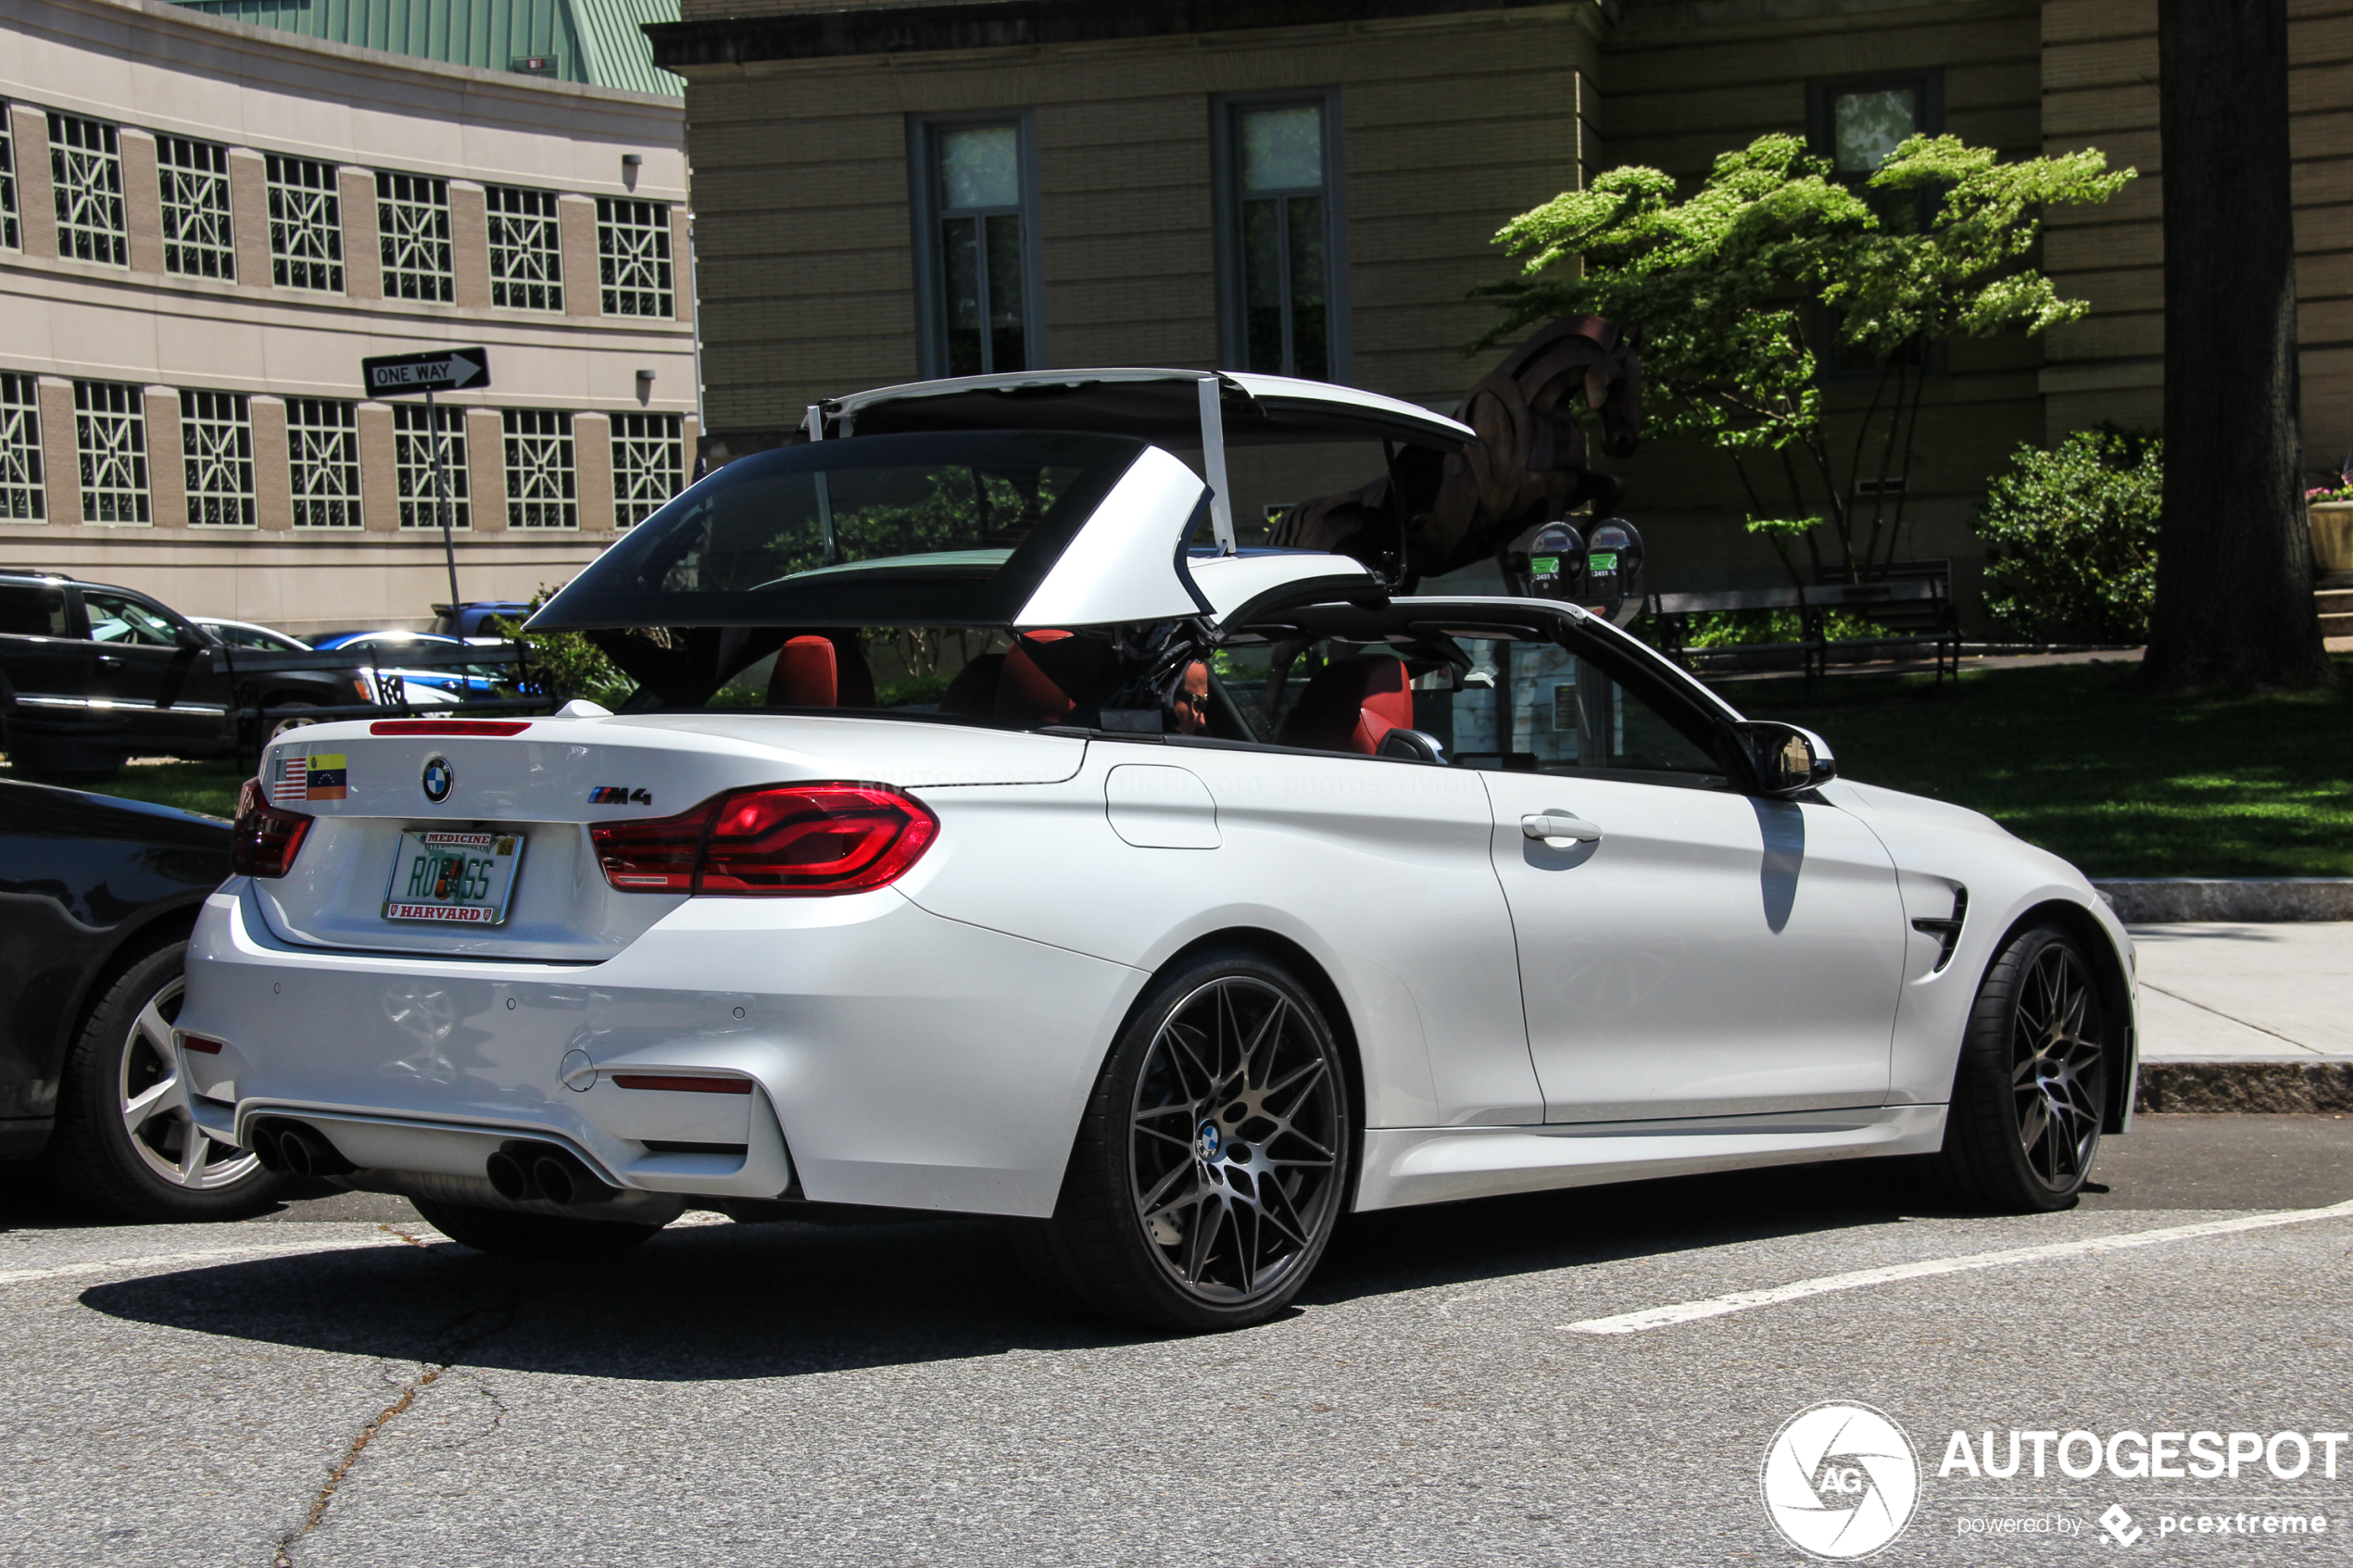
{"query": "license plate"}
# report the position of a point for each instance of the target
(452, 875)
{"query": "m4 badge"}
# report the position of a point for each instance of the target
(616, 794)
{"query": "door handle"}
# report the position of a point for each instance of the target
(109, 661)
(1559, 829)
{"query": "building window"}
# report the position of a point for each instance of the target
(21, 500)
(216, 435)
(412, 230)
(194, 180)
(1283, 307)
(9, 238)
(1856, 122)
(412, 454)
(526, 250)
(85, 170)
(306, 225)
(322, 461)
(977, 246)
(541, 488)
(111, 439)
(632, 257)
(648, 465)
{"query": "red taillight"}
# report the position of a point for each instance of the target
(775, 840)
(448, 726)
(682, 1083)
(199, 1045)
(266, 839)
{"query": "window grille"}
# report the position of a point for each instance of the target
(306, 224)
(23, 497)
(526, 250)
(111, 439)
(412, 232)
(216, 435)
(322, 461)
(412, 465)
(86, 172)
(648, 465)
(542, 489)
(9, 237)
(632, 257)
(194, 181)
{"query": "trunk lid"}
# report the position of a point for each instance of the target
(546, 785)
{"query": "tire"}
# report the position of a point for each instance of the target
(289, 719)
(125, 1141)
(544, 1237)
(2030, 1088)
(1212, 1161)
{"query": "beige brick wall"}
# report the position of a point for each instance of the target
(470, 244)
(249, 216)
(592, 455)
(141, 200)
(486, 469)
(576, 220)
(273, 486)
(362, 263)
(379, 486)
(60, 464)
(36, 208)
(167, 460)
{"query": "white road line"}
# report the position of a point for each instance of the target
(1742, 1300)
(208, 1255)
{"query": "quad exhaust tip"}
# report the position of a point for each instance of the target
(524, 1172)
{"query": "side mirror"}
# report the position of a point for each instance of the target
(1788, 760)
(1415, 745)
(189, 637)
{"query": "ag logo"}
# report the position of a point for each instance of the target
(1840, 1481)
(439, 778)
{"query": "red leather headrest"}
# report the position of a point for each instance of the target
(1350, 705)
(826, 671)
(1050, 675)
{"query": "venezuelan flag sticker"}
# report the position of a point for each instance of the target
(325, 780)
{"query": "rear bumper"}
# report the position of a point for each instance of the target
(895, 1057)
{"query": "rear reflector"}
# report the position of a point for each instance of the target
(683, 1083)
(777, 840)
(448, 726)
(199, 1045)
(266, 838)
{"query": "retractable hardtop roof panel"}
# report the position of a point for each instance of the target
(1211, 409)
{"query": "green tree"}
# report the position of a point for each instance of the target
(1740, 289)
(2072, 536)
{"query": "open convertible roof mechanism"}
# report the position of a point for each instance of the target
(1166, 408)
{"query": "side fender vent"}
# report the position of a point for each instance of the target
(1946, 931)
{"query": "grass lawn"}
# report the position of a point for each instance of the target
(2073, 757)
(192, 786)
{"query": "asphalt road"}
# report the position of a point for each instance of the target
(334, 1385)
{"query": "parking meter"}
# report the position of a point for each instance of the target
(1614, 571)
(1556, 563)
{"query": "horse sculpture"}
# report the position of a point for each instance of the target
(1528, 469)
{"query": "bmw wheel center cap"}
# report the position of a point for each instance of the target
(1208, 1140)
(438, 779)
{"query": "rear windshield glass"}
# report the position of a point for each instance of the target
(907, 530)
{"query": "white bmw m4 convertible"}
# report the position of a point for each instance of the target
(986, 834)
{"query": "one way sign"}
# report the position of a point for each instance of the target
(445, 369)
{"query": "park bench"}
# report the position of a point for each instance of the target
(1911, 600)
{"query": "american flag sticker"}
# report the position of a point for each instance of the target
(289, 775)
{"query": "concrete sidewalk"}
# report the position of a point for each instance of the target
(2221, 992)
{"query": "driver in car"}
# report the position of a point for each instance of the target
(1189, 701)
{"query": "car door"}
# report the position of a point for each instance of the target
(167, 693)
(1685, 949)
(49, 668)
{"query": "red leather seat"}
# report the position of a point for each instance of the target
(1350, 705)
(821, 672)
(1050, 676)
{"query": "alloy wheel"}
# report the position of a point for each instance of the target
(1234, 1142)
(2057, 1074)
(156, 1113)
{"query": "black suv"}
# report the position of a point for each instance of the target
(91, 674)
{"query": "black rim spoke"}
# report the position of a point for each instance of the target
(2058, 1077)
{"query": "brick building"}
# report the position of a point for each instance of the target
(1312, 185)
(204, 225)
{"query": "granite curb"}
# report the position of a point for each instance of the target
(2277, 1087)
(2149, 900)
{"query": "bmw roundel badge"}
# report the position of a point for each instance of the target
(439, 777)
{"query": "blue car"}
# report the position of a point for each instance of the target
(423, 686)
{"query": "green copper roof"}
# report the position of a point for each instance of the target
(592, 40)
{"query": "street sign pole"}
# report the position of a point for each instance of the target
(446, 370)
(441, 509)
